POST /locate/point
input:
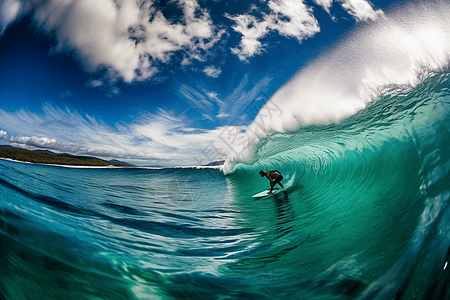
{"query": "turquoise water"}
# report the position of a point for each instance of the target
(365, 215)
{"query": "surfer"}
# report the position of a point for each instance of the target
(274, 178)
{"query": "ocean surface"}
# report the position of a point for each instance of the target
(365, 215)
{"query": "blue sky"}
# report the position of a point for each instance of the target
(157, 82)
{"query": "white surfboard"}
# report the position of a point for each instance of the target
(266, 193)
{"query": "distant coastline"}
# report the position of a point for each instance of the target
(215, 163)
(64, 159)
(51, 158)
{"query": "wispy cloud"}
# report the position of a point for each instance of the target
(242, 95)
(198, 98)
(222, 115)
(161, 137)
(216, 108)
(207, 103)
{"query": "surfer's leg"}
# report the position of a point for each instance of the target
(278, 181)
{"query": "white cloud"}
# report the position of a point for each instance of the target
(133, 39)
(114, 91)
(212, 71)
(129, 37)
(95, 82)
(290, 18)
(107, 83)
(9, 11)
(212, 95)
(301, 22)
(361, 10)
(251, 31)
(326, 4)
(3, 135)
(44, 142)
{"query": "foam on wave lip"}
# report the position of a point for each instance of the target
(395, 50)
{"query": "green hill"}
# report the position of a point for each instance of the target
(48, 157)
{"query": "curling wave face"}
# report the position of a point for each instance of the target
(375, 188)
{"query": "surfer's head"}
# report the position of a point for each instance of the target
(262, 173)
